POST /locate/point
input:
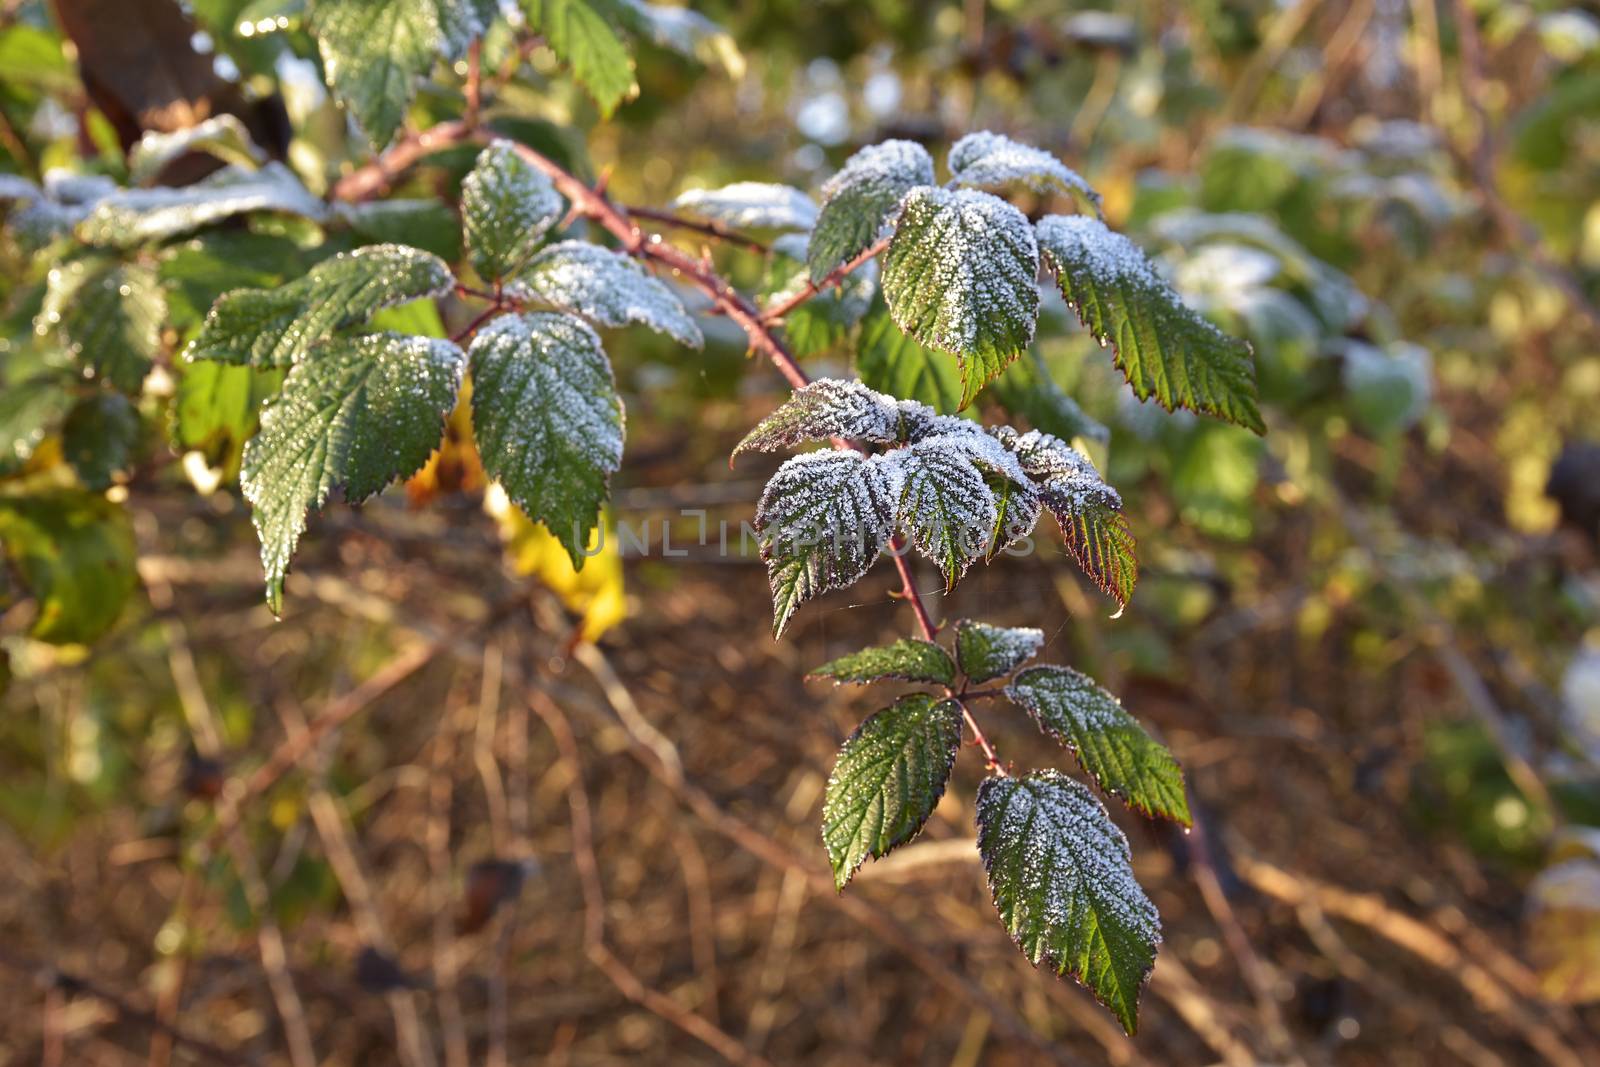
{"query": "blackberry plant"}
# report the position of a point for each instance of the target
(303, 371)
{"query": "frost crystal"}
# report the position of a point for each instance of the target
(989, 161)
(1061, 876)
(606, 287)
(506, 208)
(1066, 478)
(762, 205)
(946, 504)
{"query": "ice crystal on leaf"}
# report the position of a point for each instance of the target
(987, 160)
(987, 652)
(887, 780)
(1165, 348)
(548, 421)
(1109, 742)
(861, 199)
(946, 504)
(355, 411)
(961, 275)
(607, 288)
(1061, 877)
(506, 208)
(755, 205)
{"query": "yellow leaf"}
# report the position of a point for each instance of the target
(596, 592)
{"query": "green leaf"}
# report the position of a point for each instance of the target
(909, 658)
(1026, 389)
(507, 206)
(887, 780)
(891, 362)
(218, 408)
(1088, 510)
(961, 275)
(987, 160)
(222, 136)
(99, 436)
(197, 271)
(860, 199)
(1165, 348)
(1109, 743)
(375, 50)
(130, 217)
(108, 316)
(822, 519)
(29, 411)
(356, 412)
(276, 327)
(1101, 543)
(986, 652)
(75, 552)
(607, 288)
(1062, 879)
(548, 421)
(581, 37)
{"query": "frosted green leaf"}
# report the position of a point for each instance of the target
(987, 652)
(822, 519)
(1088, 510)
(1109, 743)
(130, 217)
(945, 503)
(276, 327)
(581, 37)
(753, 205)
(108, 316)
(1165, 348)
(894, 363)
(961, 275)
(987, 160)
(507, 206)
(827, 407)
(1027, 389)
(548, 421)
(607, 288)
(1062, 879)
(860, 200)
(909, 658)
(222, 136)
(74, 551)
(29, 411)
(375, 50)
(99, 436)
(356, 412)
(887, 780)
